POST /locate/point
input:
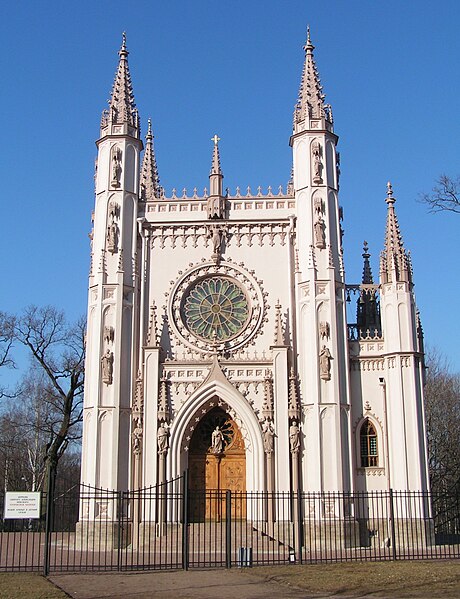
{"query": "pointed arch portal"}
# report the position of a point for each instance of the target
(213, 473)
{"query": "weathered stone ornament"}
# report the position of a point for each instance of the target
(116, 167)
(316, 152)
(107, 367)
(112, 237)
(163, 438)
(325, 363)
(324, 330)
(268, 433)
(294, 437)
(320, 236)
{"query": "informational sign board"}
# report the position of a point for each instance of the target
(22, 504)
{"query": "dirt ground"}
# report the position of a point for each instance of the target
(395, 580)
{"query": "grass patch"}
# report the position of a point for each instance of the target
(404, 579)
(21, 585)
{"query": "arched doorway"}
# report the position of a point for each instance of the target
(215, 470)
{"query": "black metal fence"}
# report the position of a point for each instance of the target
(169, 527)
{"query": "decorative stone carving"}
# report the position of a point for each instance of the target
(116, 167)
(215, 207)
(267, 407)
(163, 438)
(325, 363)
(217, 441)
(324, 330)
(318, 206)
(294, 437)
(293, 409)
(107, 367)
(316, 152)
(320, 235)
(137, 435)
(217, 234)
(114, 210)
(112, 237)
(268, 433)
(163, 412)
(109, 334)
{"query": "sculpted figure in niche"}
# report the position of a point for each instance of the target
(162, 437)
(137, 435)
(325, 363)
(217, 441)
(116, 167)
(320, 236)
(107, 367)
(317, 165)
(215, 233)
(112, 237)
(324, 330)
(294, 437)
(268, 432)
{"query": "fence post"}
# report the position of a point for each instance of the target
(228, 529)
(185, 537)
(392, 522)
(119, 526)
(50, 488)
(299, 526)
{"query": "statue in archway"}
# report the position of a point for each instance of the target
(217, 441)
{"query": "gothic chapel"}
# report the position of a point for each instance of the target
(217, 334)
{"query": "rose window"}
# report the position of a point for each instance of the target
(216, 308)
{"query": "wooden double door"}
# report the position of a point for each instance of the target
(211, 474)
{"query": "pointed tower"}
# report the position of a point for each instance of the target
(150, 181)
(113, 291)
(321, 339)
(403, 381)
(368, 313)
(216, 201)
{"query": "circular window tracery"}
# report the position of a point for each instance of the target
(215, 308)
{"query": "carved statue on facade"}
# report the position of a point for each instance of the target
(116, 167)
(137, 435)
(294, 437)
(320, 236)
(163, 438)
(107, 367)
(216, 234)
(317, 164)
(217, 441)
(112, 237)
(268, 433)
(325, 363)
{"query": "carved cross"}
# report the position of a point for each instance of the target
(215, 139)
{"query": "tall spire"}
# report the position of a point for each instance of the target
(215, 165)
(368, 309)
(394, 260)
(367, 272)
(150, 181)
(216, 201)
(122, 107)
(310, 103)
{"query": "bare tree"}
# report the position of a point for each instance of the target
(445, 195)
(442, 407)
(6, 344)
(58, 349)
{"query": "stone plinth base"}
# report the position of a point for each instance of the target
(413, 533)
(102, 535)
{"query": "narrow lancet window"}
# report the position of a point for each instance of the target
(368, 444)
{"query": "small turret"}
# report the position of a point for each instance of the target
(122, 116)
(395, 265)
(368, 311)
(150, 181)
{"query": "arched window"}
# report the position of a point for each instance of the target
(368, 444)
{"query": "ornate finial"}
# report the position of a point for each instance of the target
(149, 135)
(123, 53)
(366, 250)
(278, 339)
(308, 45)
(215, 139)
(390, 199)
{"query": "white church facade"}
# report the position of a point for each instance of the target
(217, 333)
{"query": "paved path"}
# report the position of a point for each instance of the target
(195, 584)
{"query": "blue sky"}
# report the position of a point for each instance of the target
(389, 69)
